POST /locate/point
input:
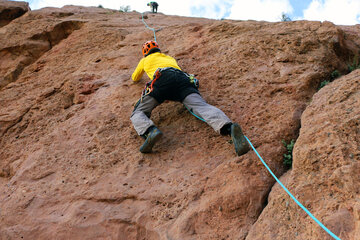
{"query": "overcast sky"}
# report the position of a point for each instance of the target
(341, 12)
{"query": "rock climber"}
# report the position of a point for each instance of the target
(169, 82)
(153, 6)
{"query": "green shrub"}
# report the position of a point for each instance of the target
(324, 83)
(355, 64)
(100, 6)
(287, 160)
(125, 8)
(334, 75)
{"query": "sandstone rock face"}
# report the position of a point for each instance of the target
(10, 10)
(70, 167)
(325, 174)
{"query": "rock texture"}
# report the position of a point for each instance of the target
(10, 10)
(69, 161)
(325, 175)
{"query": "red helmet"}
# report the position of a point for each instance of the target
(149, 45)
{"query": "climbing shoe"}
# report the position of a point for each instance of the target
(240, 143)
(152, 137)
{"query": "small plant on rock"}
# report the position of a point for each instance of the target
(334, 75)
(324, 83)
(125, 8)
(100, 6)
(287, 160)
(355, 64)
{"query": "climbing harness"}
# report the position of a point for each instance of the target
(149, 86)
(196, 82)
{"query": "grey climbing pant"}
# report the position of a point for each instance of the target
(213, 116)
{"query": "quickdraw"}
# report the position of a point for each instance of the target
(193, 80)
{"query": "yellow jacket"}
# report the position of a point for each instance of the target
(152, 62)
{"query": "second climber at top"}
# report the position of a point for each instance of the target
(153, 6)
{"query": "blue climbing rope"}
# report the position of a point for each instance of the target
(263, 162)
(288, 192)
(282, 185)
(152, 29)
(194, 114)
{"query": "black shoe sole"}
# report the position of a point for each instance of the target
(150, 141)
(240, 143)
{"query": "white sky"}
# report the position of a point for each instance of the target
(344, 12)
(269, 10)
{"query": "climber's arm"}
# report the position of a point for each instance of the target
(139, 71)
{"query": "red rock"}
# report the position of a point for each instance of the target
(70, 167)
(325, 175)
(10, 10)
